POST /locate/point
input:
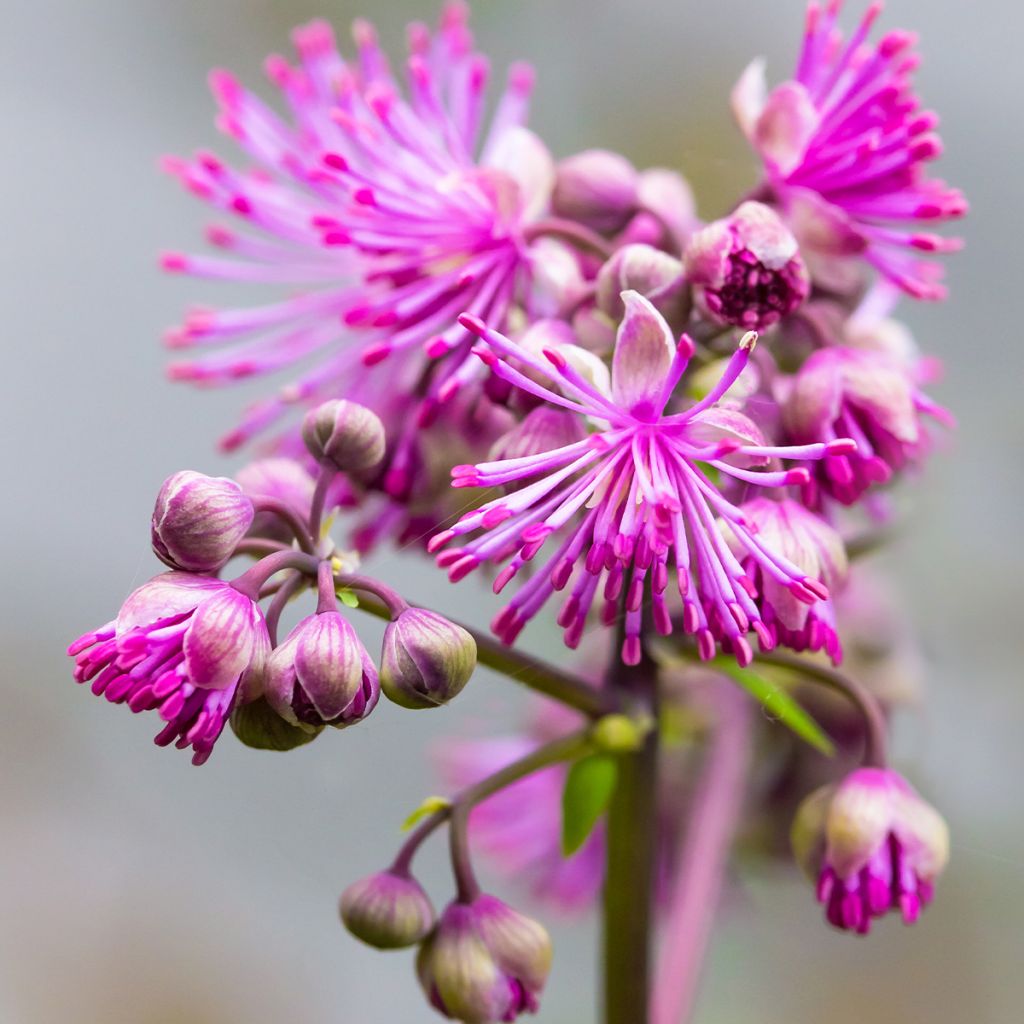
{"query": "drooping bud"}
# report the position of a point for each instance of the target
(746, 269)
(872, 845)
(322, 674)
(388, 910)
(259, 726)
(426, 660)
(346, 434)
(484, 962)
(283, 480)
(656, 275)
(598, 188)
(198, 521)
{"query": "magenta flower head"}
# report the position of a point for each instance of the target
(388, 910)
(426, 660)
(598, 188)
(390, 209)
(810, 543)
(845, 145)
(746, 269)
(322, 674)
(631, 505)
(185, 646)
(198, 521)
(865, 395)
(873, 845)
(484, 962)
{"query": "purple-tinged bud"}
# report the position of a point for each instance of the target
(346, 434)
(322, 674)
(746, 269)
(277, 479)
(426, 660)
(656, 275)
(259, 726)
(667, 196)
(598, 188)
(388, 910)
(484, 962)
(198, 521)
(872, 845)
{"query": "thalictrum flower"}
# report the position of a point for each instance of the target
(633, 504)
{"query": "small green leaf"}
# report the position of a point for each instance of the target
(779, 705)
(588, 791)
(431, 805)
(348, 598)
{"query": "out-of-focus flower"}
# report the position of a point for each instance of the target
(388, 910)
(747, 269)
(845, 146)
(807, 541)
(278, 480)
(872, 845)
(392, 210)
(198, 521)
(597, 188)
(484, 962)
(867, 396)
(185, 646)
(322, 674)
(632, 501)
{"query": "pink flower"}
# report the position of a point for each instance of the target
(845, 145)
(632, 504)
(816, 548)
(392, 212)
(182, 645)
(869, 396)
(873, 845)
(519, 828)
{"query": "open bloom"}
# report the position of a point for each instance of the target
(182, 645)
(873, 845)
(870, 397)
(810, 543)
(845, 145)
(632, 504)
(392, 212)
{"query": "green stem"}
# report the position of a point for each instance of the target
(533, 673)
(629, 871)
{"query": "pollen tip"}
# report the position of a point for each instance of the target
(749, 341)
(473, 324)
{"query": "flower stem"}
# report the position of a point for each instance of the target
(568, 230)
(708, 835)
(290, 518)
(629, 871)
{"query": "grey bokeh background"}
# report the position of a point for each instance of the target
(135, 889)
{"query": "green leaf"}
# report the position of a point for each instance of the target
(588, 791)
(348, 598)
(431, 805)
(779, 705)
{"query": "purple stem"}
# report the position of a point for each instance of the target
(393, 601)
(701, 871)
(327, 600)
(250, 582)
(284, 594)
(316, 513)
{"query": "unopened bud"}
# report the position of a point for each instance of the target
(346, 434)
(199, 520)
(426, 660)
(259, 726)
(656, 275)
(598, 188)
(388, 910)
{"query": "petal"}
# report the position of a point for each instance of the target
(859, 819)
(723, 424)
(820, 225)
(171, 593)
(785, 126)
(644, 349)
(329, 663)
(748, 96)
(220, 639)
(522, 156)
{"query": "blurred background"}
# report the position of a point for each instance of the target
(135, 889)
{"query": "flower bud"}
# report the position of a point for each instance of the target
(873, 845)
(277, 479)
(322, 675)
(426, 660)
(259, 726)
(746, 269)
(667, 195)
(598, 188)
(388, 910)
(346, 434)
(484, 962)
(656, 275)
(198, 521)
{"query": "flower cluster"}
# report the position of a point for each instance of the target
(554, 373)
